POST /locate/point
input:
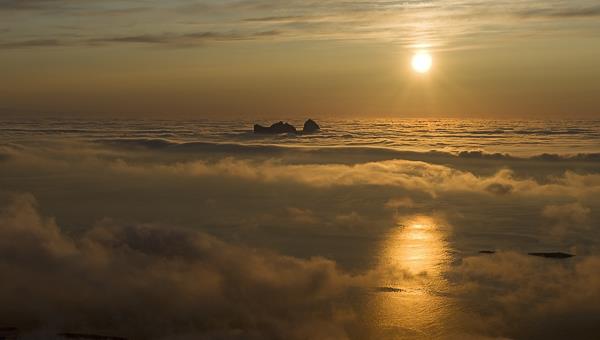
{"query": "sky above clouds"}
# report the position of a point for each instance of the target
(272, 58)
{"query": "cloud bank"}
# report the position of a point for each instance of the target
(145, 281)
(176, 242)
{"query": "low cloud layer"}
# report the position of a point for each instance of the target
(177, 241)
(524, 297)
(147, 281)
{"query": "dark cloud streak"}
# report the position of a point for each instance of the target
(176, 40)
(549, 13)
(32, 43)
(188, 39)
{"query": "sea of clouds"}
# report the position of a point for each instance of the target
(145, 239)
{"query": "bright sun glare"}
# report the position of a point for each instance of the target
(421, 62)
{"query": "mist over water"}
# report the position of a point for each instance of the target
(515, 137)
(368, 229)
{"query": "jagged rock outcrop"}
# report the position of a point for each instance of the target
(277, 128)
(310, 126)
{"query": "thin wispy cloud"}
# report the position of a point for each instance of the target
(194, 39)
(568, 12)
(406, 23)
(31, 43)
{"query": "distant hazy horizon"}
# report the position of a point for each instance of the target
(7, 114)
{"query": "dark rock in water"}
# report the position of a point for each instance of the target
(487, 252)
(388, 290)
(276, 128)
(311, 126)
(82, 336)
(553, 255)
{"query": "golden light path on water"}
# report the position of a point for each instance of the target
(412, 301)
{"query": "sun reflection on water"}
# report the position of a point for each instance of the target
(417, 245)
(414, 258)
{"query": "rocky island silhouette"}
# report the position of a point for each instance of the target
(310, 126)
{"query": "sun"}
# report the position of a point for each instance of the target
(421, 62)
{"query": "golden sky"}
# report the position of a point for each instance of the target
(244, 58)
